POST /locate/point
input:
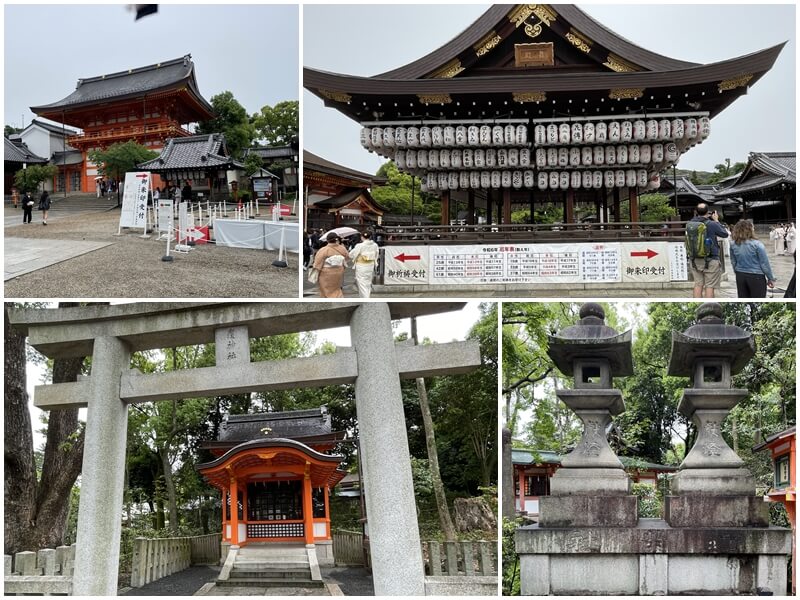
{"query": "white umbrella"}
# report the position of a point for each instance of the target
(342, 232)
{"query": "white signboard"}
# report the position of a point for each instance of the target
(164, 215)
(134, 199)
(589, 262)
(183, 222)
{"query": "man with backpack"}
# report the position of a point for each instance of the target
(702, 250)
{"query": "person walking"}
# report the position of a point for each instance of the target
(330, 261)
(791, 236)
(750, 262)
(44, 206)
(702, 250)
(186, 194)
(27, 208)
(307, 250)
(364, 256)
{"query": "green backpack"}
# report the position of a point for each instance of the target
(698, 245)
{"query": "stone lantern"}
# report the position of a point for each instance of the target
(712, 486)
(591, 487)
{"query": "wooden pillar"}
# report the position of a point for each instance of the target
(634, 201)
(521, 490)
(470, 221)
(327, 513)
(488, 207)
(789, 202)
(234, 512)
(569, 208)
(308, 510)
(445, 198)
(500, 209)
(506, 206)
(617, 216)
(531, 206)
(244, 503)
(225, 497)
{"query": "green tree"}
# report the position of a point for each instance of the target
(278, 125)
(10, 130)
(252, 164)
(654, 208)
(29, 179)
(724, 170)
(396, 194)
(119, 158)
(230, 119)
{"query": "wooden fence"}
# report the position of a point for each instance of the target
(46, 572)
(348, 548)
(159, 557)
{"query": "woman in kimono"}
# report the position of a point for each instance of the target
(776, 235)
(364, 255)
(329, 261)
(791, 235)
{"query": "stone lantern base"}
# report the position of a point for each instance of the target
(652, 559)
(713, 482)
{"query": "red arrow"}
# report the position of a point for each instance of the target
(142, 175)
(649, 254)
(404, 257)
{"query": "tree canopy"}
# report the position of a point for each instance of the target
(278, 125)
(231, 119)
(396, 194)
(28, 180)
(119, 158)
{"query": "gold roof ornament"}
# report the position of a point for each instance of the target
(530, 96)
(336, 96)
(578, 40)
(486, 44)
(620, 65)
(735, 82)
(448, 71)
(434, 98)
(626, 93)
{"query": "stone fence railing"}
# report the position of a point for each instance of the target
(46, 572)
(469, 559)
(159, 557)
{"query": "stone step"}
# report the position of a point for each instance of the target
(276, 582)
(273, 574)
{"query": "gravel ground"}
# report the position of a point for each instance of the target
(182, 583)
(132, 268)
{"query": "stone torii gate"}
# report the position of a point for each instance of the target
(110, 334)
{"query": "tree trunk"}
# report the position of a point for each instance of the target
(433, 455)
(170, 485)
(20, 469)
(508, 509)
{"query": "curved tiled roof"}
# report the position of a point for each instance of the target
(764, 170)
(19, 153)
(193, 152)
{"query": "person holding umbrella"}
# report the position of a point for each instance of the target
(329, 263)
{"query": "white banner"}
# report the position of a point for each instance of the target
(588, 262)
(165, 215)
(183, 222)
(134, 199)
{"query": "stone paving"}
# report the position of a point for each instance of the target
(24, 255)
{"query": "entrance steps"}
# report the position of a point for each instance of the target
(80, 202)
(272, 565)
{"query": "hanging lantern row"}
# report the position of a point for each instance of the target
(640, 130)
(552, 180)
(448, 136)
(543, 158)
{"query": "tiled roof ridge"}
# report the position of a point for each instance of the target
(187, 58)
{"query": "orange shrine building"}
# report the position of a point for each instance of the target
(146, 105)
(278, 468)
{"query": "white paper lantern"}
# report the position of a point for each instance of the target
(575, 156)
(411, 159)
(491, 157)
(485, 135)
(505, 179)
(388, 137)
(400, 159)
(524, 157)
(540, 135)
(433, 159)
(541, 158)
(502, 158)
(599, 155)
(400, 140)
(563, 157)
(431, 181)
(597, 179)
(690, 129)
(521, 134)
(553, 182)
(413, 139)
(468, 158)
(455, 159)
(658, 153)
(563, 180)
(652, 130)
(577, 133)
(444, 159)
(461, 135)
(486, 180)
(516, 180)
(513, 157)
(704, 124)
(588, 133)
(528, 179)
(671, 152)
(452, 180)
(626, 131)
(608, 179)
(473, 135)
(619, 178)
(644, 153)
(497, 136)
(474, 180)
(633, 154)
(442, 178)
(496, 179)
(437, 136)
(614, 132)
(425, 137)
(677, 129)
(463, 180)
(639, 130)
(622, 155)
(423, 187)
(563, 133)
(509, 135)
(611, 155)
(541, 180)
(586, 156)
(600, 133)
(422, 158)
(575, 180)
(365, 137)
(552, 157)
(478, 158)
(376, 136)
(552, 134)
(630, 178)
(664, 129)
(641, 178)
(449, 135)
(586, 179)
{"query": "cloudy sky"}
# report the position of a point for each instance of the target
(369, 39)
(250, 50)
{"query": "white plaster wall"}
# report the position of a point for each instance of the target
(228, 531)
(319, 530)
(532, 507)
(242, 532)
(38, 141)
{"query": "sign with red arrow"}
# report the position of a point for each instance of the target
(405, 257)
(648, 253)
(406, 265)
(645, 262)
